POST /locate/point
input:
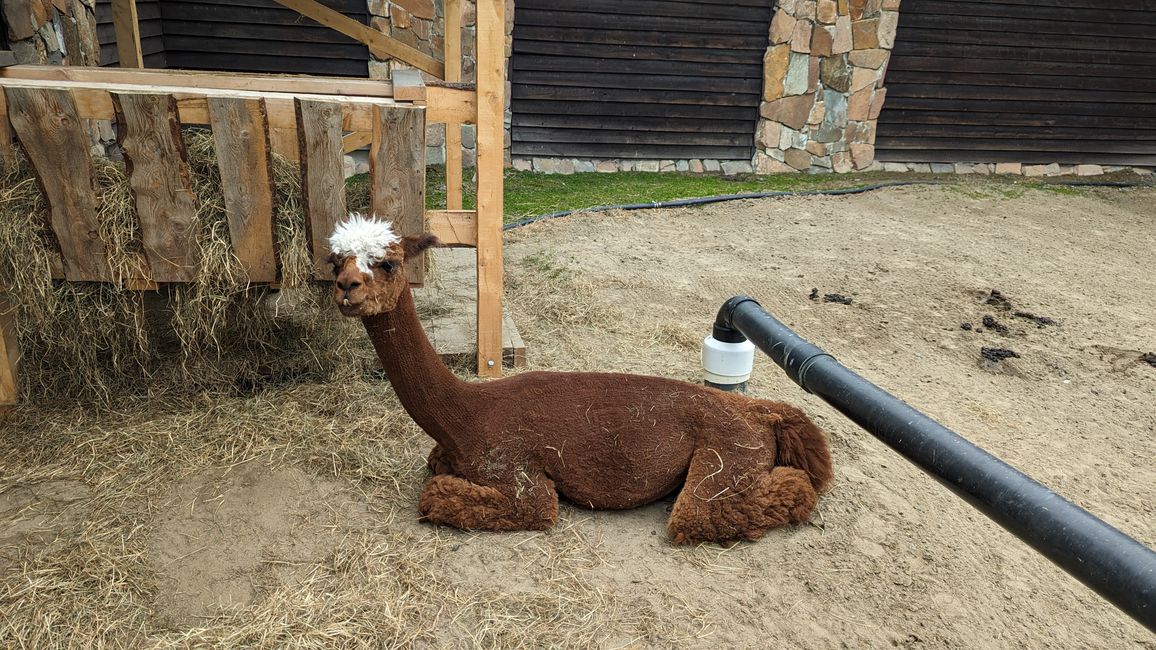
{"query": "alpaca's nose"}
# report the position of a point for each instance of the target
(347, 285)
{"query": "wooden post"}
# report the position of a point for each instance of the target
(7, 152)
(453, 62)
(491, 84)
(397, 172)
(9, 352)
(124, 20)
(322, 176)
(241, 137)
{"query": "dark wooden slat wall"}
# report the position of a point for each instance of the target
(151, 36)
(239, 36)
(1039, 81)
(645, 79)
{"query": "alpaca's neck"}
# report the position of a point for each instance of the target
(430, 393)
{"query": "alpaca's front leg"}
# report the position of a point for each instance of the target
(528, 504)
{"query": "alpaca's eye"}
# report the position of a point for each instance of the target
(388, 266)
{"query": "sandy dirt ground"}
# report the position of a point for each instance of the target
(310, 538)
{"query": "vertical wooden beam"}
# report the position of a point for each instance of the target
(322, 175)
(491, 84)
(241, 136)
(284, 144)
(46, 122)
(9, 352)
(154, 157)
(453, 62)
(124, 21)
(397, 172)
(7, 152)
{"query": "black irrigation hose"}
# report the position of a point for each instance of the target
(1117, 567)
(682, 203)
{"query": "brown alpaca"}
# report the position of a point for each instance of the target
(506, 449)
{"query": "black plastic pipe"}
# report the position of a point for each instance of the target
(1111, 563)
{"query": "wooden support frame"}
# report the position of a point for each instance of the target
(127, 26)
(491, 57)
(9, 353)
(452, 54)
(379, 44)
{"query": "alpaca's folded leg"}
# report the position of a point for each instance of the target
(726, 499)
(527, 505)
(439, 461)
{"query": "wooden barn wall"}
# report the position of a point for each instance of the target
(649, 79)
(1034, 81)
(240, 36)
(151, 35)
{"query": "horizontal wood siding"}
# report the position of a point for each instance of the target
(648, 79)
(151, 34)
(1065, 81)
(240, 36)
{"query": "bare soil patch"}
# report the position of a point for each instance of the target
(284, 515)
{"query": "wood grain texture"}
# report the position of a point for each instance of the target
(322, 176)
(240, 134)
(93, 101)
(397, 172)
(1065, 81)
(379, 43)
(166, 205)
(6, 148)
(49, 129)
(491, 75)
(9, 352)
(454, 228)
(453, 62)
(124, 18)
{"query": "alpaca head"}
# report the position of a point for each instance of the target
(369, 261)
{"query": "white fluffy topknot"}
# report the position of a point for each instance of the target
(363, 238)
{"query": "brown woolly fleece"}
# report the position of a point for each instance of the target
(506, 449)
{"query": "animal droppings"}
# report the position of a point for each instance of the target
(997, 354)
(837, 297)
(997, 299)
(1040, 321)
(992, 324)
(965, 327)
(814, 294)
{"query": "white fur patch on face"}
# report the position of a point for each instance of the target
(364, 239)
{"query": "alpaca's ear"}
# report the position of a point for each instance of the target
(415, 244)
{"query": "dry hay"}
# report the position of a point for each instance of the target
(98, 341)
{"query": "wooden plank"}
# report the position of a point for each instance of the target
(637, 52)
(761, 13)
(93, 102)
(9, 353)
(597, 65)
(408, 86)
(750, 86)
(304, 31)
(652, 23)
(201, 44)
(177, 11)
(1007, 53)
(964, 119)
(166, 204)
(241, 138)
(272, 63)
(632, 123)
(1022, 106)
(635, 95)
(1005, 10)
(627, 109)
(356, 140)
(620, 150)
(1034, 132)
(599, 136)
(453, 139)
(1059, 41)
(1006, 93)
(491, 76)
(1038, 144)
(397, 172)
(49, 128)
(1026, 157)
(199, 79)
(380, 44)
(322, 176)
(624, 37)
(1006, 79)
(455, 228)
(284, 144)
(124, 17)
(1028, 27)
(1060, 66)
(7, 151)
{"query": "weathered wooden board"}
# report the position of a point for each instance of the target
(241, 137)
(397, 170)
(9, 352)
(491, 73)
(6, 149)
(46, 122)
(124, 18)
(166, 205)
(322, 175)
(453, 61)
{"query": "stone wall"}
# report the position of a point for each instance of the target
(39, 32)
(824, 84)
(421, 24)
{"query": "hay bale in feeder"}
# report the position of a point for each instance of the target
(101, 341)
